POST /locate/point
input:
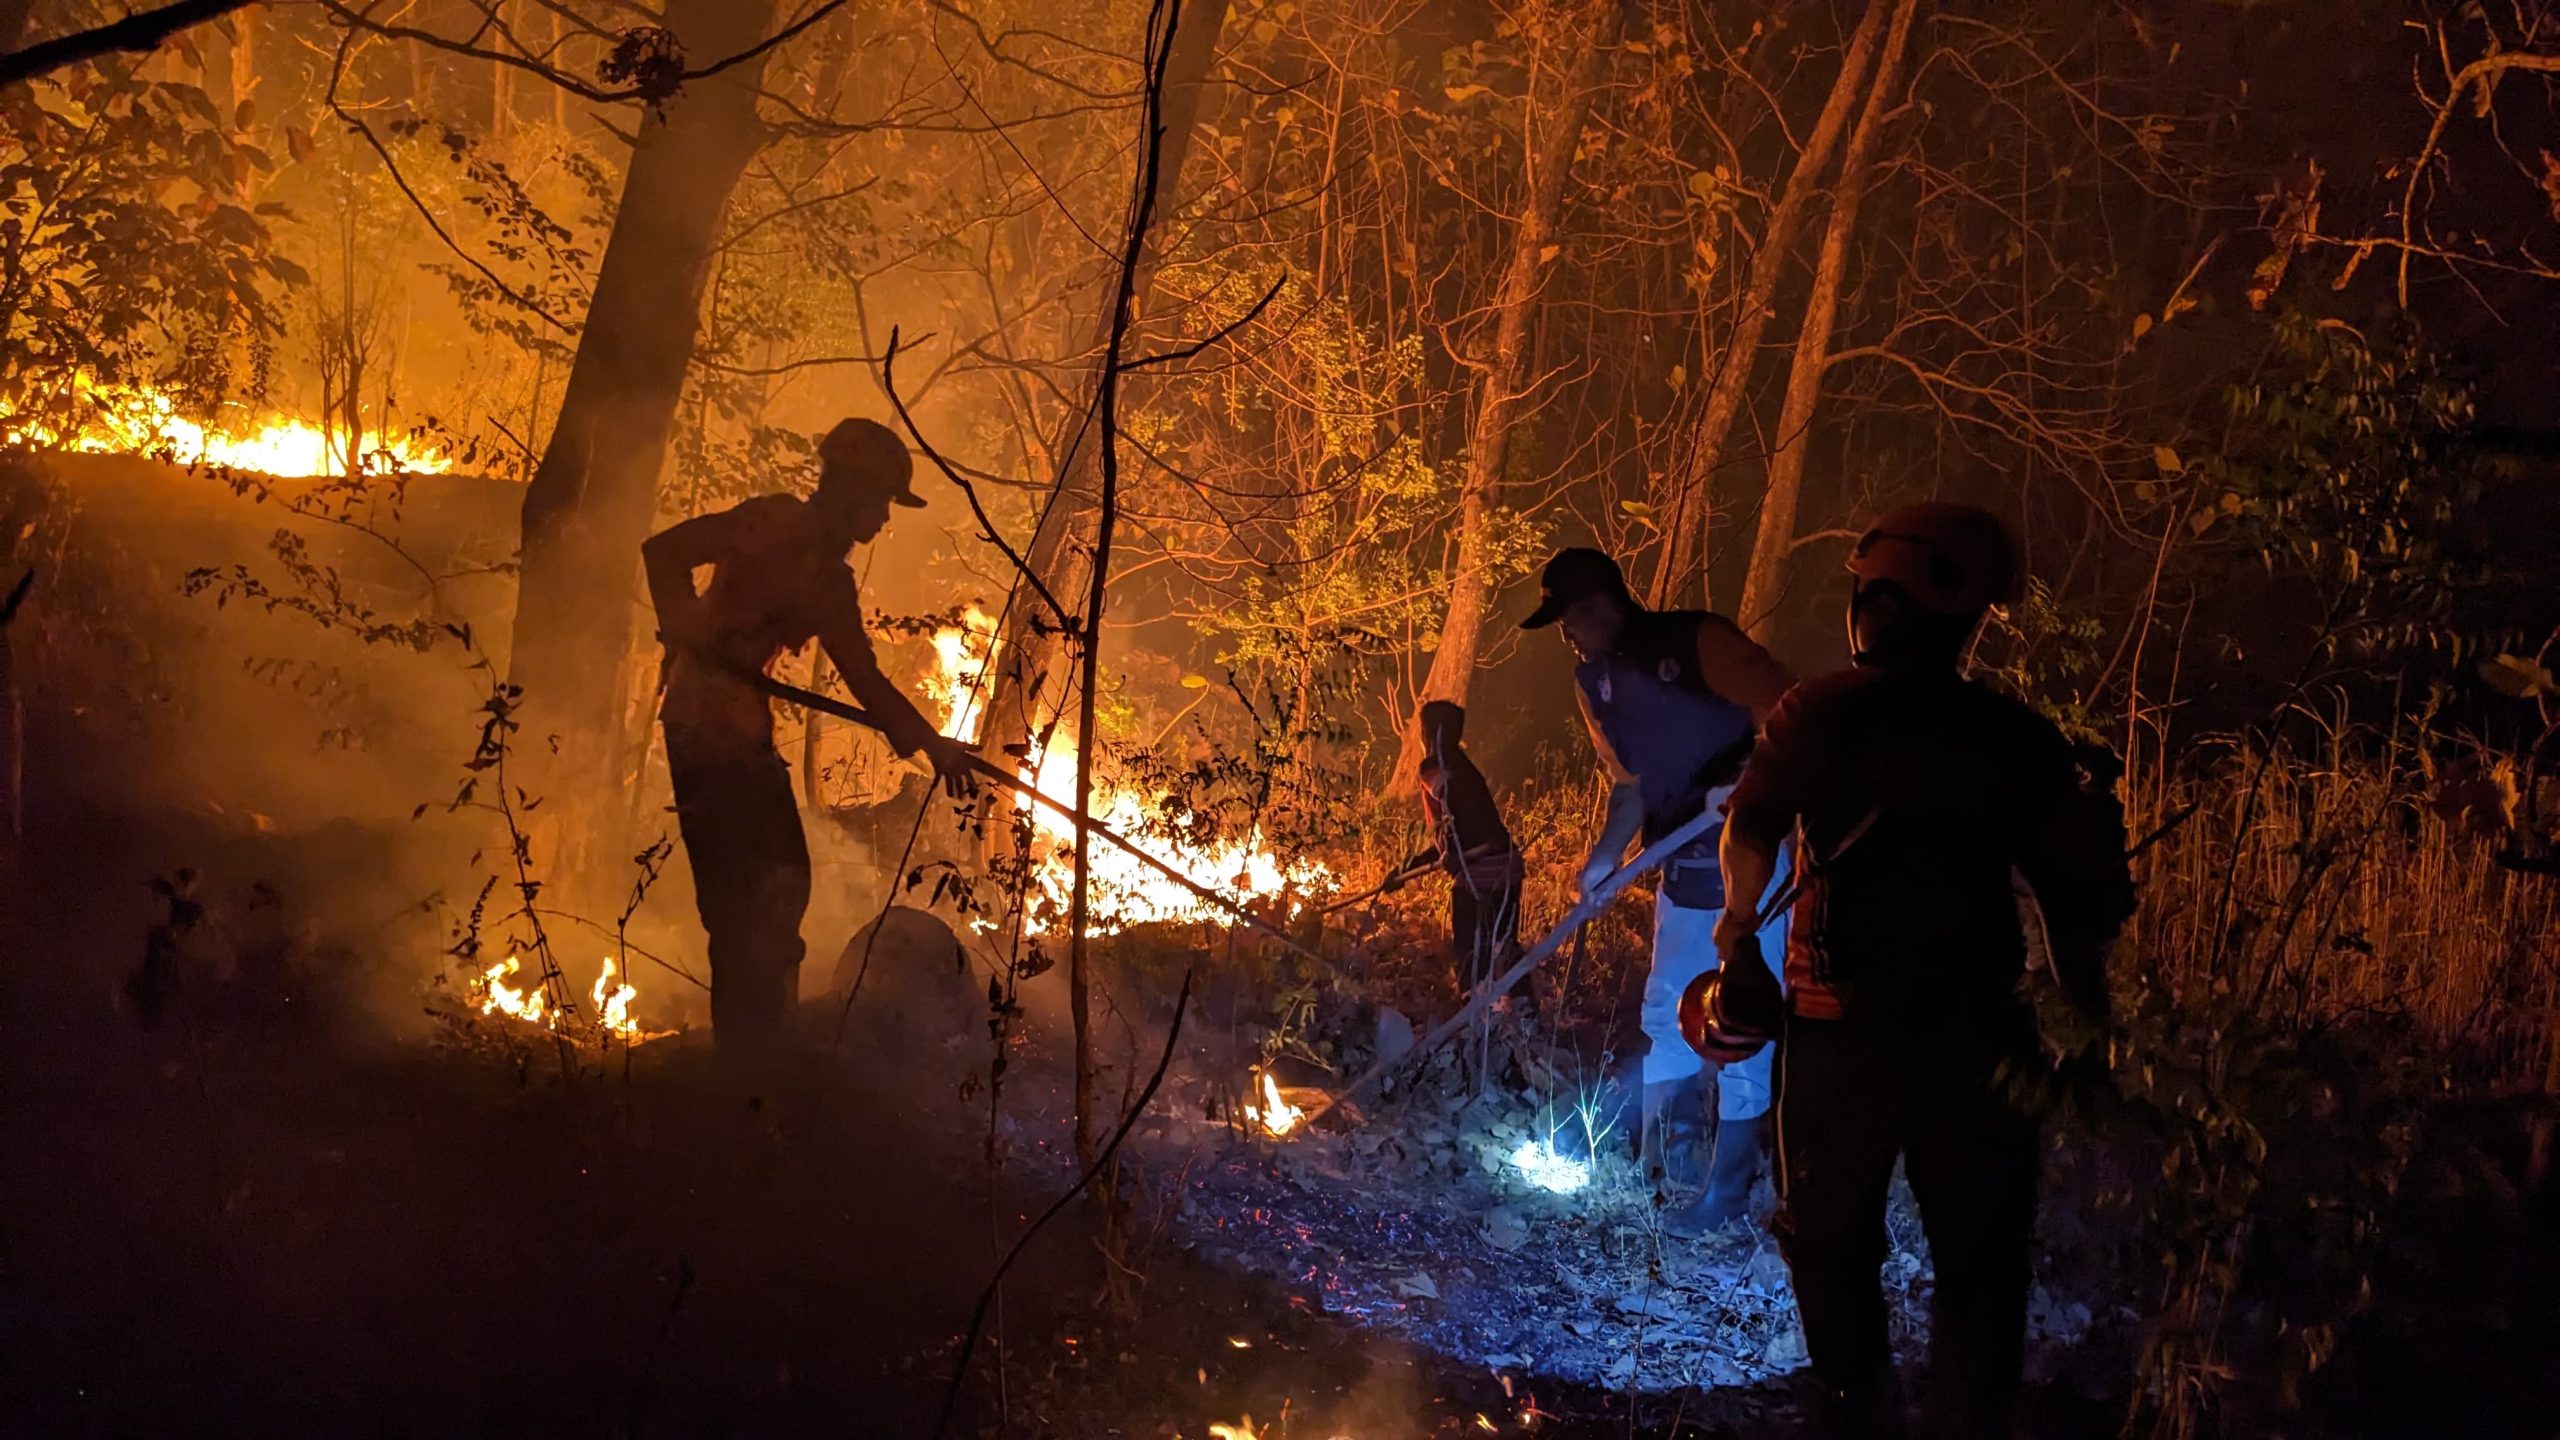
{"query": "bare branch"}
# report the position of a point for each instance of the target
(986, 525)
(136, 34)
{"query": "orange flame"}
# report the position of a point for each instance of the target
(143, 420)
(1277, 1115)
(611, 1017)
(1127, 891)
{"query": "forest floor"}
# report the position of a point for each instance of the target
(260, 1216)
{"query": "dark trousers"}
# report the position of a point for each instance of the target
(1852, 1096)
(741, 827)
(1484, 923)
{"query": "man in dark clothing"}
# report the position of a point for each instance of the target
(1922, 793)
(1671, 698)
(778, 579)
(1468, 841)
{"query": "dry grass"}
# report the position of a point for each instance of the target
(2319, 890)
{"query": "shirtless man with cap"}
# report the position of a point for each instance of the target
(778, 579)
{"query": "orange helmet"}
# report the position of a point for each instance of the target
(1950, 558)
(1698, 1024)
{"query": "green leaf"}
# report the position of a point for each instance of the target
(2168, 461)
(1705, 186)
(1195, 682)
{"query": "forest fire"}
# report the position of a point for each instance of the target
(1127, 891)
(490, 485)
(144, 420)
(609, 1018)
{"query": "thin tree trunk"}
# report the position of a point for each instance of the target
(596, 489)
(1776, 538)
(1503, 379)
(1106, 442)
(1020, 691)
(1687, 507)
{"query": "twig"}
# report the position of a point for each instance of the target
(337, 72)
(1128, 1122)
(1214, 337)
(986, 525)
(653, 92)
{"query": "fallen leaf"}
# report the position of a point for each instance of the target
(1416, 1286)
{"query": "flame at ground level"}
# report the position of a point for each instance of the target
(142, 420)
(1126, 890)
(1277, 1115)
(610, 1013)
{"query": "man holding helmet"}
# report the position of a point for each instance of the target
(1917, 794)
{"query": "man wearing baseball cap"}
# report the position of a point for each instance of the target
(778, 580)
(1672, 699)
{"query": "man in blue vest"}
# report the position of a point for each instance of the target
(1672, 699)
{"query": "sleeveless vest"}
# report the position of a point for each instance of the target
(1678, 737)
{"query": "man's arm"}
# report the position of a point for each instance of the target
(1625, 817)
(850, 648)
(669, 559)
(1749, 857)
(1617, 830)
(1763, 808)
(1737, 668)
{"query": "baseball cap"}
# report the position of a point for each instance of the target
(868, 450)
(1574, 575)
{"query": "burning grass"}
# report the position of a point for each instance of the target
(606, 1019)
(1127, 891)
(146, 420)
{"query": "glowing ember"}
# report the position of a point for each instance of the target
(1539, 1164)
(141, 420)
(612, 1014)
(1277, 1115)
(1126, 890)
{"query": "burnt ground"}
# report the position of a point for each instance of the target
(265, 1215)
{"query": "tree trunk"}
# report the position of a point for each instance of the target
(1023, 690)
(596, 489)
(1687, 506)
(1500, 389)
(1776, 538)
